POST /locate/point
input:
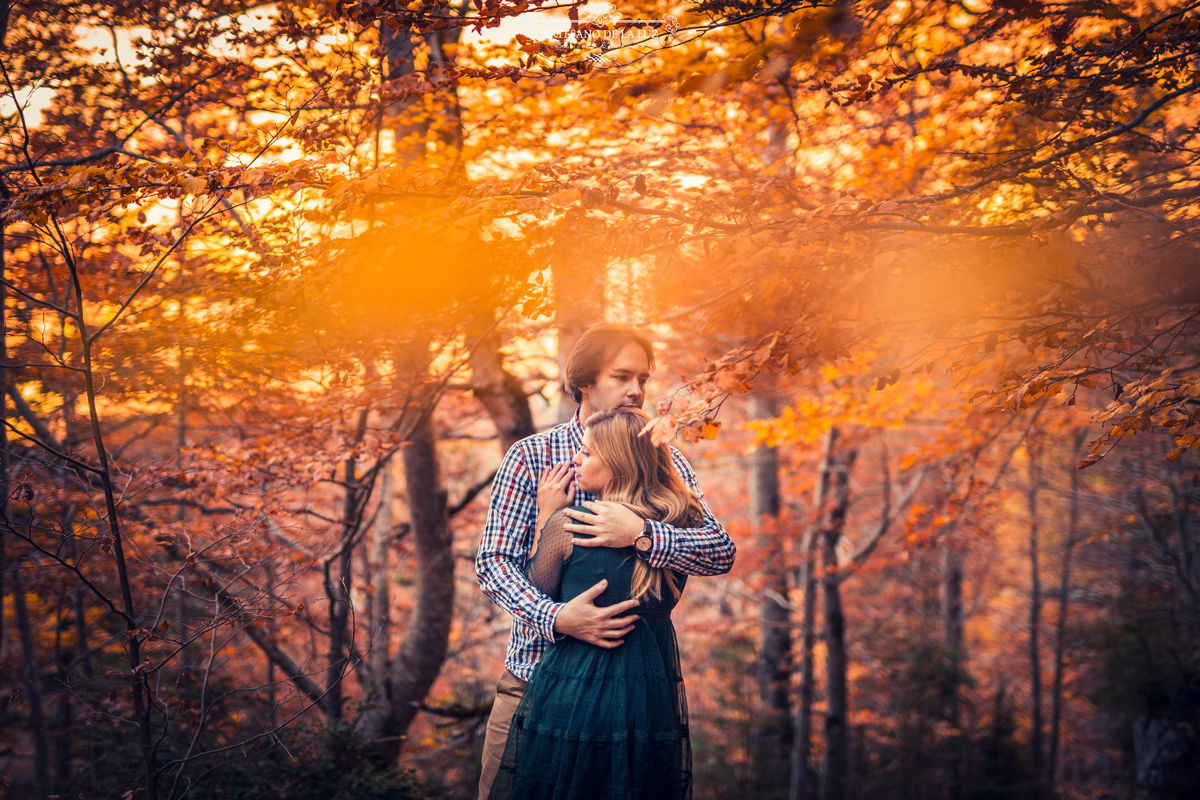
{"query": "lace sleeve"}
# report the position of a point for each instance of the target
(551, 548)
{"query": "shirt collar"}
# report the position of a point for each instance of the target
(575, 428)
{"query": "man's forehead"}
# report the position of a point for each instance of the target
(631, 358)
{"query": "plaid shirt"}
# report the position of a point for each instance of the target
(508, 535)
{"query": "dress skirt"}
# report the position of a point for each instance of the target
(597, 723)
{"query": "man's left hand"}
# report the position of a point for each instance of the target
(612, 524)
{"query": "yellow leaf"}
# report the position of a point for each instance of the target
(195, 185)
(565, 197)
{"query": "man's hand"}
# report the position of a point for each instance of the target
(585, 620)
(613, 524)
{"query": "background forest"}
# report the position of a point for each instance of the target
(283, 281)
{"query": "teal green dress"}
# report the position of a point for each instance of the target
(597, 723)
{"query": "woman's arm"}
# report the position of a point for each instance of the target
(553, 549)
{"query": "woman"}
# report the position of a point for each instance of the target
(596, 722)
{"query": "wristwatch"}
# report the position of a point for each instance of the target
(644, 543)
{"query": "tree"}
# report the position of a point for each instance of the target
(328, 239)
(774, 659)
(226, 312)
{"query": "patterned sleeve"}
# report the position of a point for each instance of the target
(704, 550)
(551, 549)
(499, 564)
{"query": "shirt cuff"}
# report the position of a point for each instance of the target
(661, 543)
(547, 632)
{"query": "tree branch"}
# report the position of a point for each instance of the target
(470, 495)
(885, 524)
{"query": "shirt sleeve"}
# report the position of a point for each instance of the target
(703, 550)
(500, 562)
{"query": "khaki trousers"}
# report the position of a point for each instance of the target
(508, 694)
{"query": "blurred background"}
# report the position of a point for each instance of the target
(283, 282)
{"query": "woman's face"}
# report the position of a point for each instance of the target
(590, 470)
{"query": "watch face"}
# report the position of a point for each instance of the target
(643, 543)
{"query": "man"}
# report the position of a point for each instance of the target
(608, 367)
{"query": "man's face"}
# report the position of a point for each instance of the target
(621, 382)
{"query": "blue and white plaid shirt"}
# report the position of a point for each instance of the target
(508, 535)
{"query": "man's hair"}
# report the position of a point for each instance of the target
(598, 346)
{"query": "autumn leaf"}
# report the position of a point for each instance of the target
(195, 185)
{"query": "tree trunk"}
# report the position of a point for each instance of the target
(408, 120)
(833, 776)
(774, 734)
(448, 127)
(423, 650)
(381, 598)
(1035, 611)
(338, 569)
(952, 628)
(373, 670)
(408, 129)
(802, 744)
(66, 478)
(501, 393)
(114, 540)
(180, 599)
(1064, 592)
(66, 709)
(78, 604)
(32, 682)
(33, 689)
(404, 681)
(3, 418)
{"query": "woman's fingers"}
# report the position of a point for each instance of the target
(558, 474)
(554, 479)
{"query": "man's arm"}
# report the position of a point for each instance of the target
(703, 550)
(512, 514)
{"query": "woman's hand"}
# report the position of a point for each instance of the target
(556, 489)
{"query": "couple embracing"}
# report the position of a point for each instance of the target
(591, 534)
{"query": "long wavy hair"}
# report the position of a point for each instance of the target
(644, 480)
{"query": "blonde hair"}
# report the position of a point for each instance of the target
(645, 481)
